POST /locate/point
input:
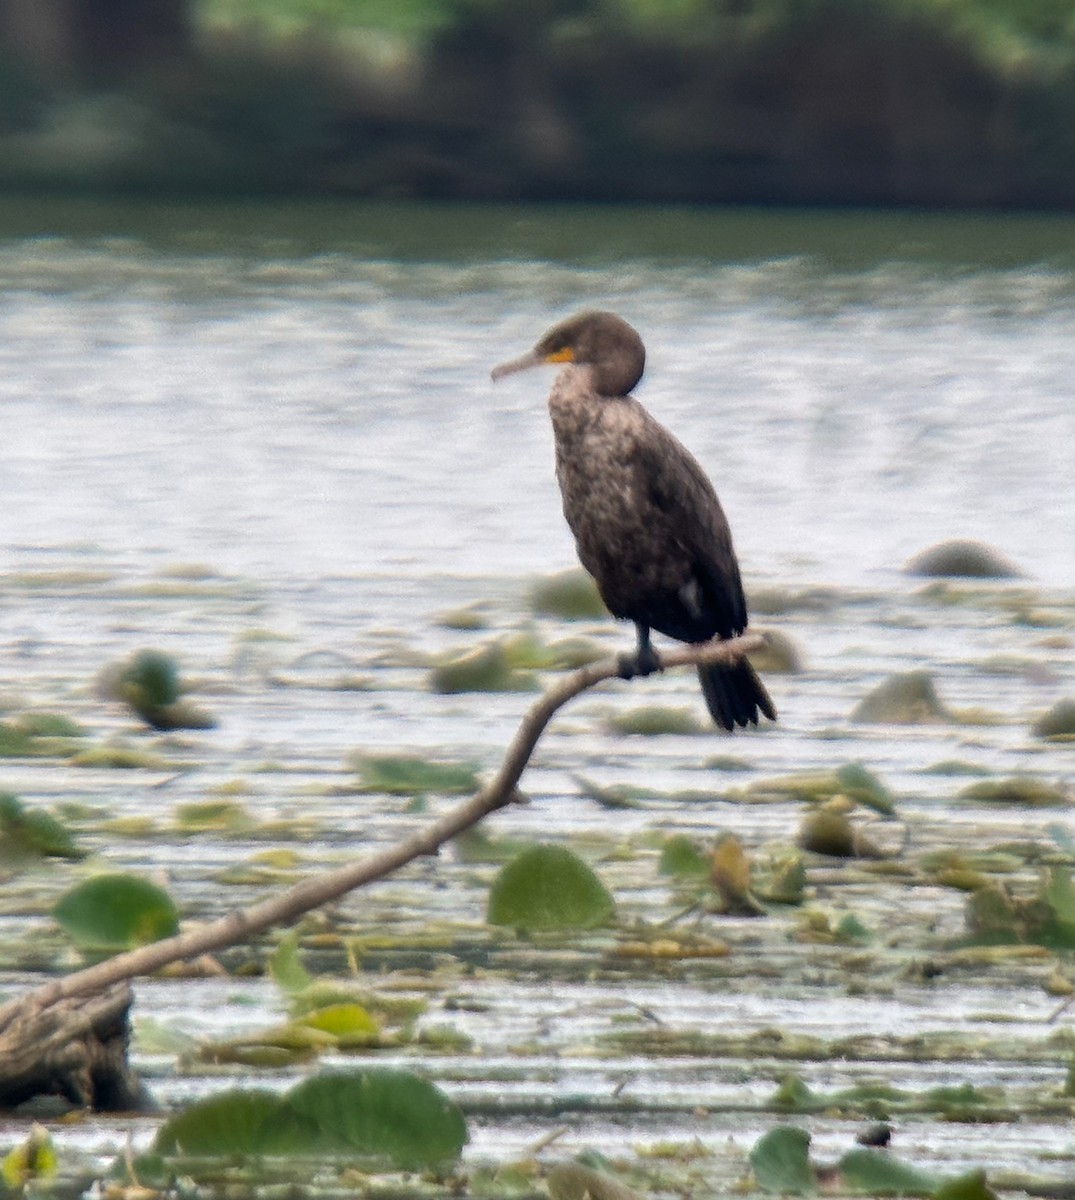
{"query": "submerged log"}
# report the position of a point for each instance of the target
(74, 1048)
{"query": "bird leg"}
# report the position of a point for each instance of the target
(645, 659)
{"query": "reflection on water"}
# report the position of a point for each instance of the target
(304, 390)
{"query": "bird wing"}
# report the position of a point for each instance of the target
(681, 491)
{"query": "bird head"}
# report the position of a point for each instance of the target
(600, 341)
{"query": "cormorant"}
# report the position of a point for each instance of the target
(647, 523)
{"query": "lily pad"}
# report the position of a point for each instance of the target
(682, 857)
(1058, 722)
(116, 912)
(962, 557)
(28, 833)
(878, 1173)
(236, 1122)
(652, 720)
(571, 595)
(909, 698)
(381, 1114)
(485, 669)
(548, 888)
(781, 1162)
(1015, 789)
(407, 775)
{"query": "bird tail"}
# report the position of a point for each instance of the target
(734, 694)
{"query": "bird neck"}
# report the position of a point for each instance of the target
(574, 405)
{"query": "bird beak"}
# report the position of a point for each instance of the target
(533, 358)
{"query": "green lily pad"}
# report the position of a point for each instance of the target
(781, 1162)
(30, 833)
(681, 856)
(549, 887)
(286, 967)
(116, 912)
(651, 720)
(863, 786)
(571, 595)
(877, 1173)
(237, 1122)
(972, 1186)
(1016, 789)
(381, 1114)
(406, 775)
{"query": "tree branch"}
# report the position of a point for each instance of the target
(311, 893)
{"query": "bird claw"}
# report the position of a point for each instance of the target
(641, 663)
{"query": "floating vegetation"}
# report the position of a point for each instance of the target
(408, 775)
(1024, 790)
(1058, 723)
(122, 758)
(377, 1116)
(570, 595)
(852, 780)
(909, 698)
(465, 620)
(682, 858)
(729, 873)
(549, 888)
(652, 720)
(116, 912)
(487, 668)
(995, 915)
(962, 557)
(779, 655)
(38, 735)
(149, 683)
(573, 1181)
(214, 816)
(779, 874)
(29, 834)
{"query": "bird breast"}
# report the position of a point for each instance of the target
(619, 532)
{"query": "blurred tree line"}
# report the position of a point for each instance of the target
(951, 102)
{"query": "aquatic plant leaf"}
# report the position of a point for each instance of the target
(864, 787)
(794, 1095)
(548, 887)
(286, 967)
(207, 816)
(1016, 789)
(485, 669)
(237, 1122)
(652, 720)
(682, 857)
(571, 595)
(27, 833)
(781, 1162)
(877, 1173)
(909, 698)
(150, 680)
(972, 1186)
(349, 1023)
(33, 1159)
(1058, 722)
(406, 775)
(729, 873)
(1058, 893)
(575, 1181)
(383, 1114)
(116, 912)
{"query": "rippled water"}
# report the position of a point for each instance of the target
(284, 391)
(298, 398)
